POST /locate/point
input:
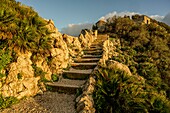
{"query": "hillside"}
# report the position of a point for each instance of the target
(142, 45)
(32, 51)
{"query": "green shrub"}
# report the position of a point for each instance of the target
(7, 101)
(54, 77)
(19, 76)
(22, 29)
(5, 58)
(39, 72)
(144, 49)
(2, 75)
(117, 92)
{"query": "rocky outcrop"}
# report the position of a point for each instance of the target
(59, 52)
(87, 37)
(73, 44)
(22, 80)
(114, 65)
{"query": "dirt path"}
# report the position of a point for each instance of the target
(49, 102)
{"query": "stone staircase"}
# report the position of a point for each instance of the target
(79, 78)
(75, 77)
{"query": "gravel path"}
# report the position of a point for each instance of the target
(49, 102)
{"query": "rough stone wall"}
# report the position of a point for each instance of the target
(85, 102)
(59, 52)
(109, 48)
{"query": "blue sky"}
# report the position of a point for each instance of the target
(65, 12)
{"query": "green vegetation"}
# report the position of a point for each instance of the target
(39, 72)
(118, 92)
(7, 101)
(54, 77)
(49, 88)
(19, 76)
(22, 29)
(5, 58)
(2, 75)
(145, 49)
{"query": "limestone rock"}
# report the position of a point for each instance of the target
(82, 40)
(20, 81)
(109, 50)
(85, 104)
(73, 44)
(31, 87)
(87, 37)
(59, 51)
(116, 65)
(22, 66)
(89, 86)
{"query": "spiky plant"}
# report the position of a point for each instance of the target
(118, 92)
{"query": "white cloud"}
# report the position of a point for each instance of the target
(75, 29)
(157, 17)
(121, 14)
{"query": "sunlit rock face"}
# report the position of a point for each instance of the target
(59, 52)
(20, 81)
(87, 37)
(73, 44)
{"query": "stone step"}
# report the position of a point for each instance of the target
(95, 46)
(93, 52)
(66, 85)
(87, 60)
(93, 49)
(83, 66)
(77, 74)
(91, 56)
